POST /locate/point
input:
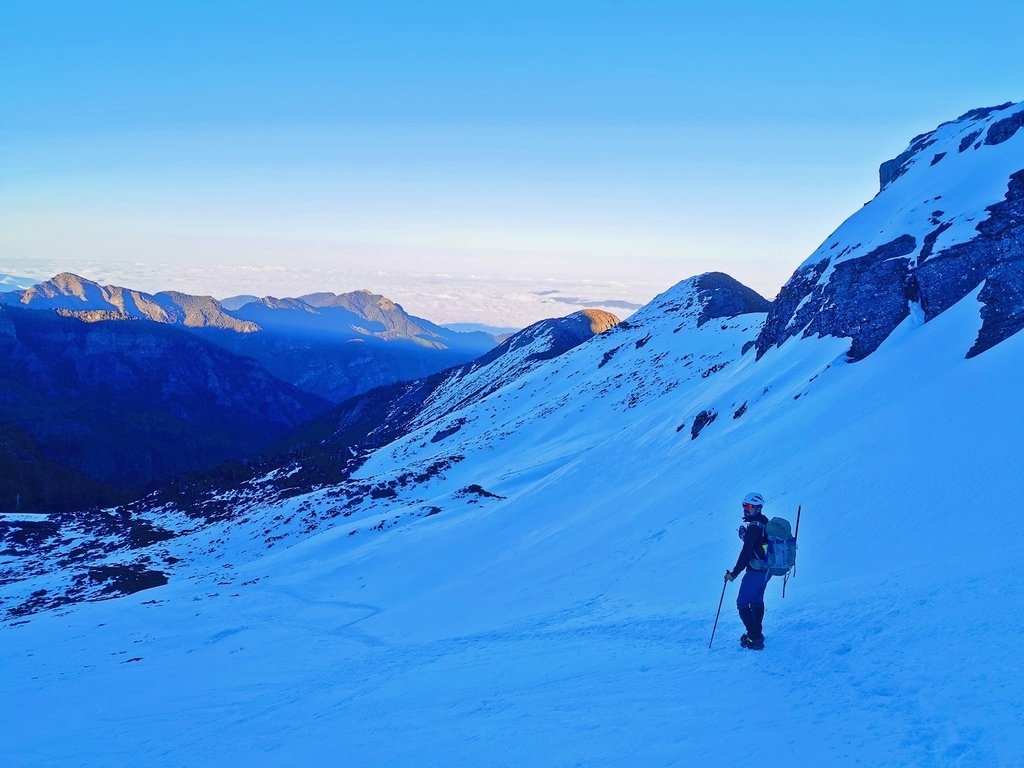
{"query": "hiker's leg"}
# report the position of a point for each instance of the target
(757, 609)
(748, 597)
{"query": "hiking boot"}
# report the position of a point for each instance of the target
(750, 643)
(756, 621)
(747, 617)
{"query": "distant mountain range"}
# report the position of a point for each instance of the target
(122, 388)
(332, 345)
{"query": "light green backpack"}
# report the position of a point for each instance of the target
(780, 556)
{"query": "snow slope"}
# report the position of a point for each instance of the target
(568, 623)
(538, 585)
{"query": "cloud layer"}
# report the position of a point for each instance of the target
(442, 298)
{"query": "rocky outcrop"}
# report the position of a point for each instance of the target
(849, 304)
(723, 296)
(945, 223)
(1001, 130)
(995, 257)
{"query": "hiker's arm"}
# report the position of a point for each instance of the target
(747, 552)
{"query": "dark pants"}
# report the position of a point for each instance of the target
(750, 602)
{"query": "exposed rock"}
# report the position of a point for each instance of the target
(1003, 130)
(891, 170)
(851, 303)
(969, 139)
(995, 256)
(840, 293)
(724, 296)
(701, 420)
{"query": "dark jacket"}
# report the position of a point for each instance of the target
(754, 541)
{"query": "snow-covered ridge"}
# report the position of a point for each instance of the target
(949, 216)
(512, 359)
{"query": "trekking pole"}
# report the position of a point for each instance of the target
(718, 613)
(796, 536)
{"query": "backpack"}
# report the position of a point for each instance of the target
(781, 552)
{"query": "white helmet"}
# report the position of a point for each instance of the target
(754, 499)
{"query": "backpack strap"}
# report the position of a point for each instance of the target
(761, 550)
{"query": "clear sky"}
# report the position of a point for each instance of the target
(614, 140)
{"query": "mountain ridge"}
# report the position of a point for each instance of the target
(315, 348)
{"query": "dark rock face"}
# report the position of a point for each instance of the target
(867, 297)
(126, 580)
(710, 296)
(701, 420)
(980, 112)
(851, 303)
(1003, 130)
(787, 317)
(929, 241)
(998, 132)
(891, 170)
(723, 296)
(967, 140)
(996, 256)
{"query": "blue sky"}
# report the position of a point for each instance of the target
(623, 141)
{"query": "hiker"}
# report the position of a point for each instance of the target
(750, 600)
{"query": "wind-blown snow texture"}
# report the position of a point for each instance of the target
(537, 586)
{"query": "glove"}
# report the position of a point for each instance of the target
(730, 576)
(742, 531)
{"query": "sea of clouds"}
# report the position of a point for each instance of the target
(484, 301)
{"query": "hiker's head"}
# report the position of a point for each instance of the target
(752, 504)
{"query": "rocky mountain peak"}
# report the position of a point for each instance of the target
(68, 282)
(63, 285)
(702, 298)
(985, 126)
(600, 321)
(724, 296)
